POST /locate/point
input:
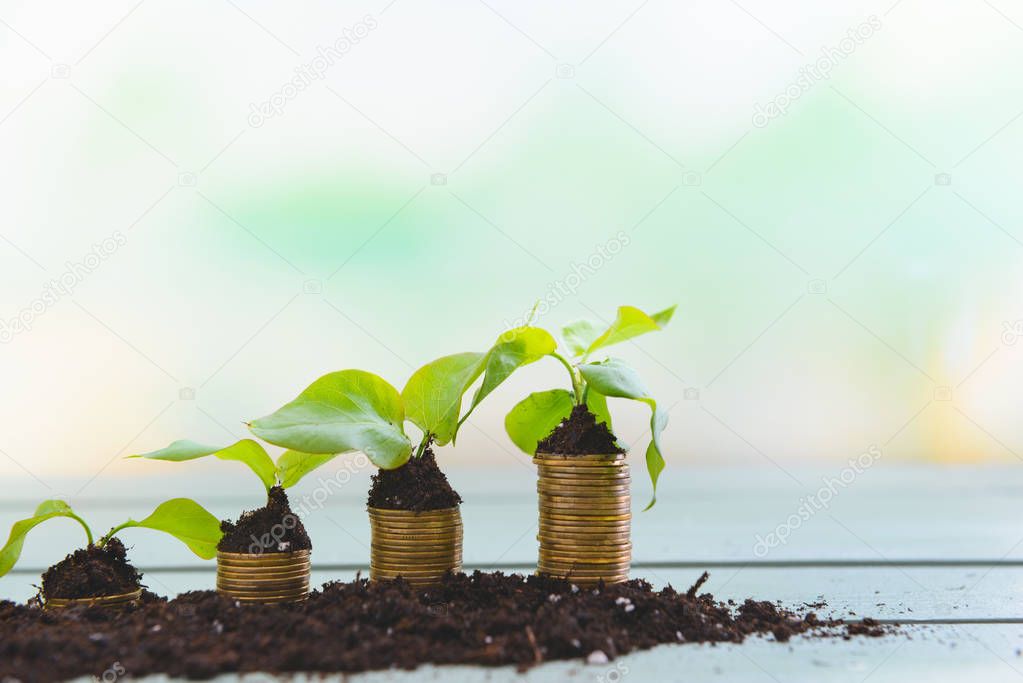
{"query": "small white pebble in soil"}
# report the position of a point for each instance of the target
(630, 607)
(97, 637)
(678, 635)
(218, 628)
(575, 588)
(597, 657)
(488, 640)
(156, 628)
(576, 644)
(553, 597)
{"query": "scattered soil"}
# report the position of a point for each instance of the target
(418, 485)
(485, 619)
(271, 529)
(91, 573)
(580, 434)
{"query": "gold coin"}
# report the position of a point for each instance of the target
(586, 525)
(441, 515)
(608, 500)
(603, 571)
(257, 583)
(589, 544)
(416, 546)
(403, 527)
(266, 574)
(621, 469)
(596, 516)
(273, 593)
(381, 573)
(399, 567)
(399, 558)
(571, 558)
(262, 557)
(583, 534)
(580, 488)
(443, 537)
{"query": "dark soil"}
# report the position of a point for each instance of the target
(485, 619)
(580, 434)
(418, 485)
(271, 529)
(91, 573)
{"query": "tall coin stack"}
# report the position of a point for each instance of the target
(264, 578)
(585, 517)
(417, 546)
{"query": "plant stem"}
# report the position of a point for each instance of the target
(578, 387)
(110, 534)
(424, 444)
(88, 531)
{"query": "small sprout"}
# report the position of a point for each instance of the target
(182, 518)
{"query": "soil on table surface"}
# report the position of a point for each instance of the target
(271, 529)
(580, 434)
(91, 573)
(483, 618)
(418, 485)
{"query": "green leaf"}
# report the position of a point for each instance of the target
(47, 510)
(579, 335)
(512, 350)
(616, 379)
(433, 394)
(630, 322)
(246, 451)
(536, 416)
(350, 410)
(187, 521)
(293, 465)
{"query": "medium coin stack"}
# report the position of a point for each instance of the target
(264, 577)
(102, 601)
(420, 547)
(585, 517)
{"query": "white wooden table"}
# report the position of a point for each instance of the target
(938, 547)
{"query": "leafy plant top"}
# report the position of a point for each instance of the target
(593, 382)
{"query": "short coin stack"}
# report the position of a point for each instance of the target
(101, 601)
(417, 546)
(585, 517)
(264, 577)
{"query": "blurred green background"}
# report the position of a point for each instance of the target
(372, 185)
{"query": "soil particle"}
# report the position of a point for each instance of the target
(270, 529)
(580, 434)
(92, 572)
(418, 485)
(484, 619)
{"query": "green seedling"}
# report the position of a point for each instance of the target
(182, 518)
(354, 410)
(534, 418)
